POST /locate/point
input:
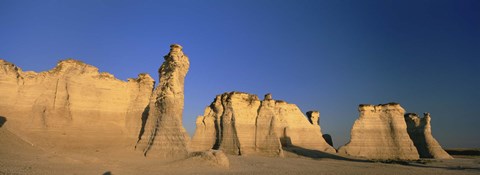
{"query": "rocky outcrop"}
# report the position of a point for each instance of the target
(420, 132)
(164, 135)
(240, 124)
(73, 102)
(380, 133)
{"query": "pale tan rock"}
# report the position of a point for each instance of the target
(10, 82)
(212, 157)
(140, 95)
(380, 133)
(420, 132)
(240, 124)
(72, 105)
(236, 123)
(206, 132)
(164, 134)
(298, 131)
(267, 122)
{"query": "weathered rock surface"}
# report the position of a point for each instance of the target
(75, 104)
(420, 132)
(212, 157)
(164, 135)
(240, 124)
(380, 133)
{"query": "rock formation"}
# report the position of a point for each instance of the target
(420, 132)
(380, 133)
(240, 124)
(76, 106)
(73, 103)
(164, 135)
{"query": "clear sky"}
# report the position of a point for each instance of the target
(321, 55)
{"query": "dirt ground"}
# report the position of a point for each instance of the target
(20, 157)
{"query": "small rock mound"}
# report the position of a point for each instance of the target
(212, 157)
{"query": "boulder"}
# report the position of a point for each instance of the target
(240, 124)
(212, 157)
(380, 133)
(420, 132)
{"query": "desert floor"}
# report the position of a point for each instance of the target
(20, 157)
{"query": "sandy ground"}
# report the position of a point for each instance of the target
(20, 157)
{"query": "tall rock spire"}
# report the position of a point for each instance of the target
(164, 135)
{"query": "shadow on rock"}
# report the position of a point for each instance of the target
(144, 122)
(328, 139)
(2, 120)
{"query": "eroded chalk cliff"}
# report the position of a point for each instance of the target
(240, 124)
(72, 105)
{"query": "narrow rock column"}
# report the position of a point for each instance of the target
(164, 135)
(420, 132)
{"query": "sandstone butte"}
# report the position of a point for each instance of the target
(381, 133)
(240, 124)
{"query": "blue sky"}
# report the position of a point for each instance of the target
(321, 55)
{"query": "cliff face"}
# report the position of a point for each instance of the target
(420, 132)
(72, 102)
(241, 124)
(164, 134)
(380, 133)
